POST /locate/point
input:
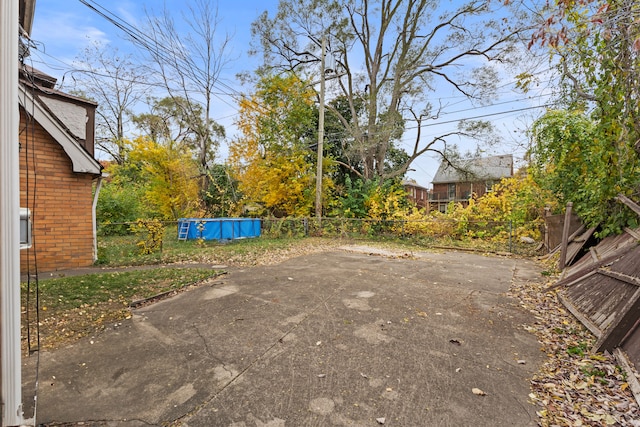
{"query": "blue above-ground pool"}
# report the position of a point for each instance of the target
(218, 228)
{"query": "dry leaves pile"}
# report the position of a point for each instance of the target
(277, 256)
(271, 256)
(574, 387)
(69, 326)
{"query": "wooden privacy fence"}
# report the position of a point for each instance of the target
(602, 289)
(554, 225)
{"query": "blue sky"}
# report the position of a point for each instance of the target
(63, 28)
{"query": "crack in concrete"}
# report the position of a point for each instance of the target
(231, 373)
(204, 341)
(278, 341)
(210, 353)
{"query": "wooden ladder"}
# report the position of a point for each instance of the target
(183, 231)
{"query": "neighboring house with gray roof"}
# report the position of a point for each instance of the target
(457, 182)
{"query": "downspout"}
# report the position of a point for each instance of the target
(93, 215)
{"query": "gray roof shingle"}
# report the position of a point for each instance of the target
(478, 169)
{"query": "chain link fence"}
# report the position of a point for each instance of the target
(483, 236)
(493, 236)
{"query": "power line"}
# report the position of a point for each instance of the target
(161, 52)
(153, 48)
(465, 98)
(498, 113)
(482, 116)
(529, 98)
(149, 44)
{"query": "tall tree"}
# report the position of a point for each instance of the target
(189, 62)
(392, 55)
(117, 84)
(271, 158)
(597, 45)
(166, 123)
(170, 175)
(223, 195)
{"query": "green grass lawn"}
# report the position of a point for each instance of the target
(72, 292)
(78, 306)
(122, 250)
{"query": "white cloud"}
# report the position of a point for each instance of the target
(129, 12)
(65, 30)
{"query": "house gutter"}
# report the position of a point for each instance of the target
(10, 362)
(93, 214)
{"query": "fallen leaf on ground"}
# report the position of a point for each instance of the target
(572, 387)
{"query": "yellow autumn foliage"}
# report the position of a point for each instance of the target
(514, 208)
(271, 158)
(171, 176)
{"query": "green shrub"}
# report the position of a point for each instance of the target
(116, 207)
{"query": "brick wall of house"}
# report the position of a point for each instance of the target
(464, 190)
(440, 196)
(60, 202)
(417, 195)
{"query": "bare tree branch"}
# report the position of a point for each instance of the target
(390, 50)
(117, 84)
(189, 65)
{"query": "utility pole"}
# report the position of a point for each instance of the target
(320, 136)
(10, 363)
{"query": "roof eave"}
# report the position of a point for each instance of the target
(82, 161)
